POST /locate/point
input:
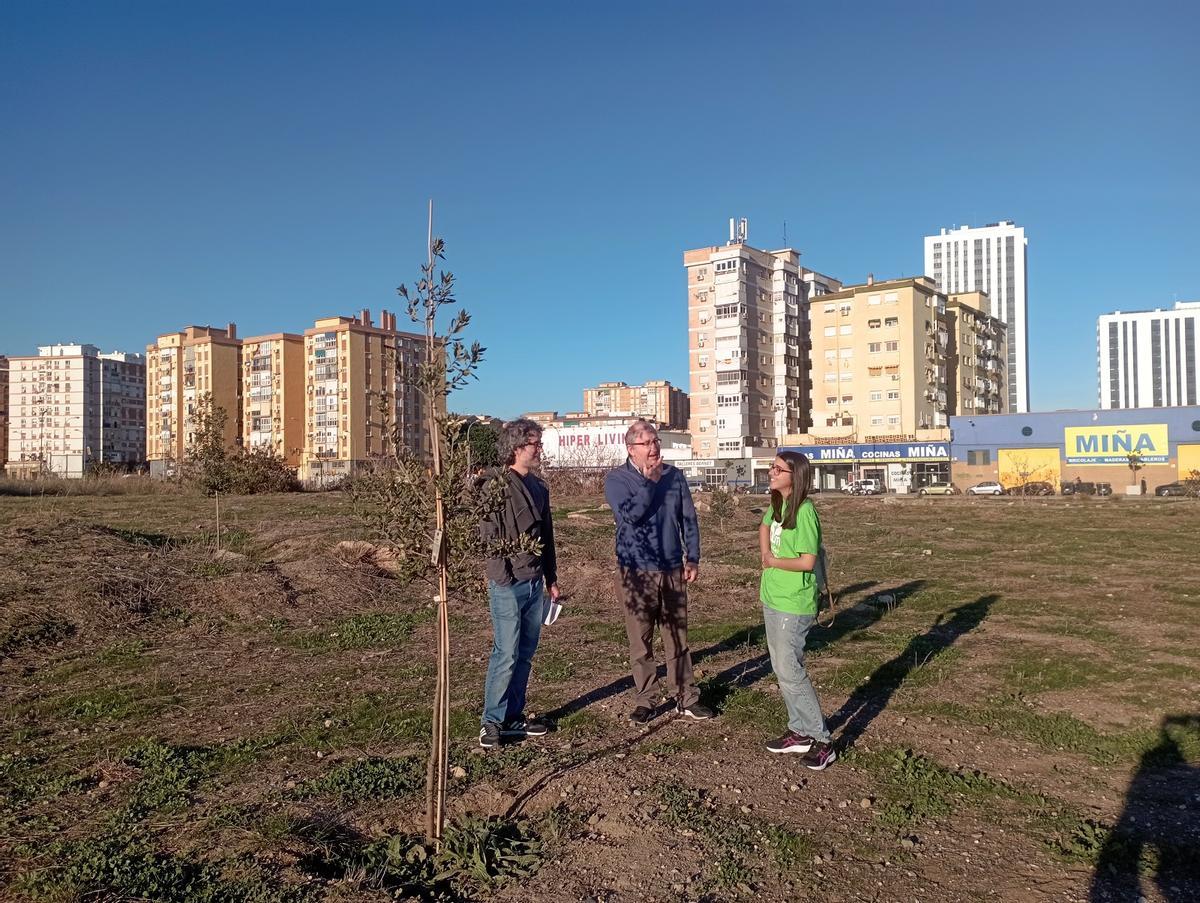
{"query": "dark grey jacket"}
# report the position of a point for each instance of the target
(520, 514)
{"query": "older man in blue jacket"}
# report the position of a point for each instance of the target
(658, 550)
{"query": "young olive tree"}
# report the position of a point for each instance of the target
(425, 505)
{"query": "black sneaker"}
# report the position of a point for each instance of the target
(696, 712)
(641, 715)
(489, 735)
(791, 743)
(819, 757)
(525, 727)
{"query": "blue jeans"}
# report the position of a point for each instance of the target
(516, 628)
(785, 641)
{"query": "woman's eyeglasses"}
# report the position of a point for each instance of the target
(775, 468)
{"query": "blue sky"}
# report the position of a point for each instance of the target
(168, 163)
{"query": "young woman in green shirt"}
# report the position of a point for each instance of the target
(790, 540)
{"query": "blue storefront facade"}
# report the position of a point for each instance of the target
(1091, 445)
(899, 466)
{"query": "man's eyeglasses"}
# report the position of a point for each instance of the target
(654, 441)
(537, 444)
(775, 468)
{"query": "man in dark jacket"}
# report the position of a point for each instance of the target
(515, 585)
(658, 550)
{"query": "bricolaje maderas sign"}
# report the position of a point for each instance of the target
(1114, 444)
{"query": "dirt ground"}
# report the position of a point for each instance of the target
(1012, 686)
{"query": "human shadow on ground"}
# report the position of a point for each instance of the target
(1157, 837)
(873, 695)
(863, 614)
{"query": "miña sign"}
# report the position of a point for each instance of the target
(1114, 444)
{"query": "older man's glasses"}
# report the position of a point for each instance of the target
(654, 441)
(537, 444)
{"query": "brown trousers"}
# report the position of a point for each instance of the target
(653, 597)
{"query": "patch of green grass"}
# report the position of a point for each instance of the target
(606, 631)
(25, 778)
(374, 718)
(125, 864)
(1042, 669)
(919, 788)
(746, 634)
(128, 652)
(583, 723)
(553, 667)
(368, 779)
(109, 703)
(1054, 731)
(376, 630)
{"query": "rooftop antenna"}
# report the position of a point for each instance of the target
(785, 233)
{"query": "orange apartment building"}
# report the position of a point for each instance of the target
(273, 396)
(356, 383)
(977, 355)
(181, 368)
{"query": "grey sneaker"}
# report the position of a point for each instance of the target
(696, 712)
(525, 727)
(489, 735)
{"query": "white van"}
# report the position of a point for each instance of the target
(863, 487)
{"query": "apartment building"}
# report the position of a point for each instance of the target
(72, 408)
(655, 400)
(989, 259)
(273, 396)
(976, 356)
(359, 397)
(1147, 358)
(879, 353)
(3, 412)
(747, 346)
(181, 368)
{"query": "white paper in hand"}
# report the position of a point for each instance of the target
(550, 611)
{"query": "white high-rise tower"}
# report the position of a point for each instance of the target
(989, 259)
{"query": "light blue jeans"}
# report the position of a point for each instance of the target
(785, 641)
(516, 629)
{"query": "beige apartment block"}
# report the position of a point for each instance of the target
(183, 367)
(273, 395)
(655, 400)
(976, 356)
(747, 346)
(3, 412)
(357, 384)
(72, 408)
(880, 362)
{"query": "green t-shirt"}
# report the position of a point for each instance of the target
(794, 592)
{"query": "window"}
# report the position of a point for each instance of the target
(846, 398)
(831, 400)
(875, 371)
(702, 360)
(727, 311)
(876, 421)
(846, 330)
(891, 297)
(873, 324)
(874, 347)
(727, 266)
(830, 330)
(845, 310)
(891, 346)
(830, 377)
(830, 308)
(830, 353)
(979, 457)
(847, 352)
(892, 321)
(893, 395)
(876, 395)
(874, 299)
(893, 420)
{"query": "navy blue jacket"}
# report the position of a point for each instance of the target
(656, 522)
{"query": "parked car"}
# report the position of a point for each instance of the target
(1175, 488)
(1078, 487)
(1037, 487)
(938, 489)
(1104, 489)
(863, 487)
(987, 487)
